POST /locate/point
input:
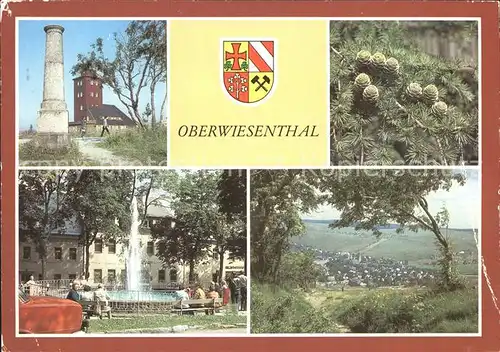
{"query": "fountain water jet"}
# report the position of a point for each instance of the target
(134, 259)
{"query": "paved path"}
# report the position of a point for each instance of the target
(90, 150)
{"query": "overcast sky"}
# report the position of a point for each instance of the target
(463, 204)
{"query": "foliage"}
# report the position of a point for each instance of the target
(391, 103)
(148, 146)
(232, 200)
(194, 228)
(153, 187)
(370, 199)
(277, 199)
(280, 311)
(298, 270)
(136, 64)
(43, 208)
(100, 202)
(410, 311)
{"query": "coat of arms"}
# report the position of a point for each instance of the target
(248, 69)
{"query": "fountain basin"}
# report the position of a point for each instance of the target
(142, 296)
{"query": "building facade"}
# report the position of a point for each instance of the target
(89, 107)
(87, 93)
(107, 262)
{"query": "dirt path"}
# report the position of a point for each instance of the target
(317, 300)
(91, 150)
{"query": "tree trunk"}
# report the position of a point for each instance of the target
(163, 112)
(153, 109)
(87, 257)
(43, 259)
(191, 271)
(245, 258)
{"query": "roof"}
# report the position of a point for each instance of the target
(115, 115)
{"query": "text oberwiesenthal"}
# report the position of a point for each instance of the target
(248, 131)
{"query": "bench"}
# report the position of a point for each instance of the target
(89, 309)
(198, 305)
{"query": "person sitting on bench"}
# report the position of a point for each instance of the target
(100, 296)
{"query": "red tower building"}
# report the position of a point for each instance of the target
(87, 93)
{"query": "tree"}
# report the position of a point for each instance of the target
(154, 186)
(100, 200)
(154, 45)
(277, 199)
(131, 69)
(393, 104)
(232, 200)
(300, 270)
(43, 208)
(373, 198)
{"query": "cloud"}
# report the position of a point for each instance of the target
(462, 202)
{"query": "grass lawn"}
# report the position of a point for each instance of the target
(132, 321)
(32, 155)
(148, 146)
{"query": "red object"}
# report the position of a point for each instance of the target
(48, 315)
(87, 93)
(226, 295)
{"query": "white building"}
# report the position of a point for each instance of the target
(107, 264)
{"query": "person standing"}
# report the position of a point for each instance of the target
(226, 293)
(243, 291)
(104, 126)
(83, 127)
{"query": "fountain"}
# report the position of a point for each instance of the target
(135, 290)
(134, 247)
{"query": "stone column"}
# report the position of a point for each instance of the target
(53, 116)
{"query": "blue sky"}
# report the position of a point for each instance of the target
(463, 204)
(77, 38)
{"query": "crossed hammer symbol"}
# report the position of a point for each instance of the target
(256, 80)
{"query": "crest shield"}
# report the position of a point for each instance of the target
(248, 69)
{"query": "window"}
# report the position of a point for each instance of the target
(98, 276)
(98, 245)
(151, 248)
(112, 247)
(161, 275)
(111, 276)
(72, 277)
(91, 82)
(58, 253)
(97, 95)
(26, 252)
(92, 94)
(173, 275)
(57, 276)
(81, 107)
(72, 254)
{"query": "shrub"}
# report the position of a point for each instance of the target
(279, 311)
(31, 154)
(411, 311)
